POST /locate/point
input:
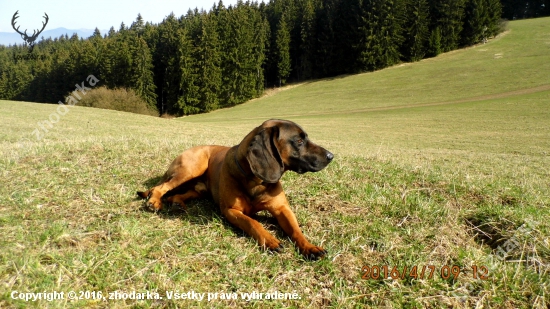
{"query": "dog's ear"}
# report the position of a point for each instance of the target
(263, 155)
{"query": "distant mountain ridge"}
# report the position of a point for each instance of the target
(8, 38)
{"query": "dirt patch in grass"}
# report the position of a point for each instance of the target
(488, 232)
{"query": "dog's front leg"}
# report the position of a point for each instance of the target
(252, 228)
(287, 221)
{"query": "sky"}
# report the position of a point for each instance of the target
(90, 14)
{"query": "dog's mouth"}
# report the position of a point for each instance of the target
(307, 166)
(309, 162)
(317, 167)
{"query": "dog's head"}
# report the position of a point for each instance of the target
(280, 145)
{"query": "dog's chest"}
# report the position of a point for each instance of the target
(262, 195)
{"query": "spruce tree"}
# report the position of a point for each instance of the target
(259, 50)
(416, 29)
(325, 53)
(434, 44)
(112, 32)
(494, 11)
(97, 34)
(475, 22)
(241, 32)
(348, 23)
(167, 71)
(450, 21)
(189, 99)
(381, 34)
(283, 51)
(138, 24)
(141, 76)
(122, 65)
(307, 41)
(208, 61)
(106, 61)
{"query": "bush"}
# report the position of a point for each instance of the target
(120, 99)
(502, 26)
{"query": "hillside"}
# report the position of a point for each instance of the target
(514, 63)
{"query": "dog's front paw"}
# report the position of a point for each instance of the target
(277, 249)
(313, 252)
(154, 204)
(272, 244)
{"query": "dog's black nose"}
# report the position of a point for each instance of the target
(330, 156)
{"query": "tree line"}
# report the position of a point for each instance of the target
(207, 60)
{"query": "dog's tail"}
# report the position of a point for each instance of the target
(143, 194)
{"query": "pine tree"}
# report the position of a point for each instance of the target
(475, 22)
(167, 71)
(138, 24)
(272, 17)
(381, 34)
(283, 51)
(106, 61)
(416, 30)
(97, 34)
(450, 20)
(348, 24)
(259, 50)
(141, 75)
(242, 39)
(434, 44)
(494, 12)
(307, 41)
(112, 32)
(227, 59)
(189, 100)
(208, 61)
(122, 62)
(86, 59)
(325, 54)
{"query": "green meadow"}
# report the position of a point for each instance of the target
(440, 165)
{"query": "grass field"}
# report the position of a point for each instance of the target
(442, 162)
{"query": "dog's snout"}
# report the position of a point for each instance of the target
(330, 156)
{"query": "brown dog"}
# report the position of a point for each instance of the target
(244, 179)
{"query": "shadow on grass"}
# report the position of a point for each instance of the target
(203, 211)
(151, 182)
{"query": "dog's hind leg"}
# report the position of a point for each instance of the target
(191, 164)
(178, 200)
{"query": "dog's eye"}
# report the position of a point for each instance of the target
(300, 141)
